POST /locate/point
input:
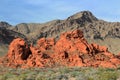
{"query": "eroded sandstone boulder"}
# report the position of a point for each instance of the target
(17, 54)
(70, 50)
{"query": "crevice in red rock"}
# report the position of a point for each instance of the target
(70, 50)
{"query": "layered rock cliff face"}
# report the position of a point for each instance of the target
(70, 50)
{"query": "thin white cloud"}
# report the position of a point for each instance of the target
(59, 6)
(36, 2)
(63, 7)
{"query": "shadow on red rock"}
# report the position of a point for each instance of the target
(70, 50)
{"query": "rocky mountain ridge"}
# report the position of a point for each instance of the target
(92, 27)
(95, 30)
(6, 36)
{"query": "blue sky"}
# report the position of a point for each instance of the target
(39, 11)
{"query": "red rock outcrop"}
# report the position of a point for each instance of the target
(17, 54)
(70, 50)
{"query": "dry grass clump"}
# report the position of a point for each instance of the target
(3, 49)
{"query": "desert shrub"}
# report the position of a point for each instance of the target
(62, 73)
(62, 77)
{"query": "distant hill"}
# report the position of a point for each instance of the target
(95, 30)
(4, 25)
(6, 36)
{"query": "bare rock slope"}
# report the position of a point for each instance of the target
(95, 30)
(6, 36)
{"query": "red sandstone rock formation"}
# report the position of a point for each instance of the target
(70, 50)
(17, 54)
